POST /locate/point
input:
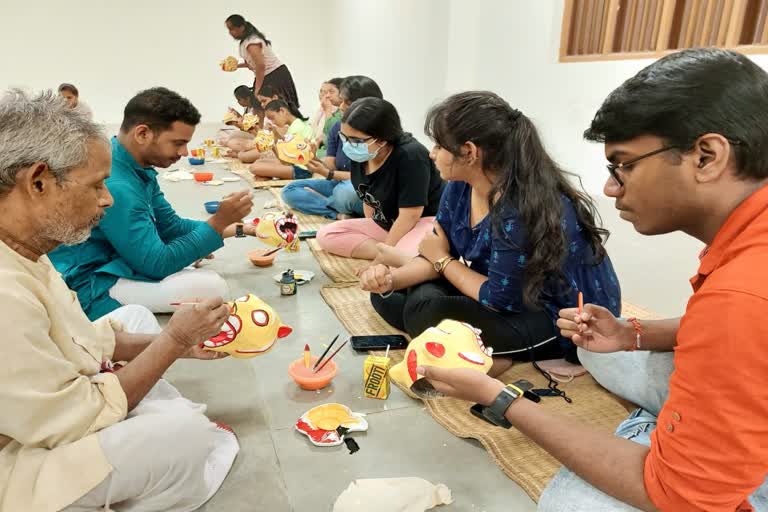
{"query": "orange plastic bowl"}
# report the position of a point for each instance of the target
(304, 377)
(257, 258)
(202, 177)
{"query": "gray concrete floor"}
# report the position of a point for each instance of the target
(277, 468)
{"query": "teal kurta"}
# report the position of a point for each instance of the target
(140, 238)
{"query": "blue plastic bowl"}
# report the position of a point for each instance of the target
(196, 161)
(212, 207)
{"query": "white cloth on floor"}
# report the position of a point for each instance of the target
(392, 495)
(185, 285)
(165, 456)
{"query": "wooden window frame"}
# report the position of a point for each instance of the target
(725, 38)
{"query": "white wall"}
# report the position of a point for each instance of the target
(111, 50)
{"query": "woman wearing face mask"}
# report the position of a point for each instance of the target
(283, 115)
(514, 241)
(393, 175)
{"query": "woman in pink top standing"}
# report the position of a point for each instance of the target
(258, 56)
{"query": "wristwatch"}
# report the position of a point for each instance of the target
(443, 262)
(496, 411)
(331, 173)
(239, 232)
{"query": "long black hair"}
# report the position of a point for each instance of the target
(238, 21)
(245, 92)
(375, 116)
(524, 178)
(276, 105)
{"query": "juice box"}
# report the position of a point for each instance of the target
(376, 377)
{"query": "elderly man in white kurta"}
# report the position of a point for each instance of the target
(77, 431)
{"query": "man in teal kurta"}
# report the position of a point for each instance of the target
(139, 252)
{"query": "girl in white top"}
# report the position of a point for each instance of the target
(258, 56)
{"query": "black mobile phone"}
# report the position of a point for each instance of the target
(303, 235)
(477, 410)
(380, 342)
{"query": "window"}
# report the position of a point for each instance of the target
(624, 29)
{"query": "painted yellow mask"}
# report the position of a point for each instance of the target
(265, 140)
(294, 150)
(250, 121)
(229, 64)
(451, 344)
(230, 117)
(278, 229)
(251, 329)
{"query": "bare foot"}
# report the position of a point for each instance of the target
(500, 365)
(391, 256)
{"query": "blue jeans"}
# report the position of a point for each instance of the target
(643, 379)
(328, 199)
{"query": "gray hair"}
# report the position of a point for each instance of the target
(42, 129)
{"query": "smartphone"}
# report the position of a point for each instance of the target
(380, 342)
(303, 235)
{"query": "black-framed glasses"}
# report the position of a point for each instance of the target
(354, 140)
(614, 168)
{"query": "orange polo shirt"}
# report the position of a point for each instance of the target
(710, 449)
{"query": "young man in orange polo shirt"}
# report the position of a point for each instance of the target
(687, 139)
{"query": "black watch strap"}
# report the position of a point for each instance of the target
(495, 413)
(239, 232)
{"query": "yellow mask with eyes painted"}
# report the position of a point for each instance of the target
(229, 64)
(251, 329)
(278, 229)
(250, 121)
(451, 344)
(264, 141)
(294, 150)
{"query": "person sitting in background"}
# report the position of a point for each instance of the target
(70, 93)
(393, 176)
(140, 252)
(283, 115)
(480, 265)
(333, 197)
(327, 115)
(79, 432)
(238, 139)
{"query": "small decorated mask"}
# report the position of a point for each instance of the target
(229, 64)
(451, 344)
(265, 140)
(278, 229)
(250, 121)
(230, 117)
(323, 424)
(294, 150)
(251, 329)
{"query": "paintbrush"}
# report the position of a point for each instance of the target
(307, 355)
(331, 356)
(326, 352)
(273, 251)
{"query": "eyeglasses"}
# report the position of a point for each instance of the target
(625, 166)
(614, 169)
(354, 140)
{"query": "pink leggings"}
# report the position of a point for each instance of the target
(343, 236)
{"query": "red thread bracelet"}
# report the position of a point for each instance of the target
(638, 333)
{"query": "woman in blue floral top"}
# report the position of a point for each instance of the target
(514, 240)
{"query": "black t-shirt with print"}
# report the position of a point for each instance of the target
(407, 179)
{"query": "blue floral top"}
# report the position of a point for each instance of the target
(502, 259)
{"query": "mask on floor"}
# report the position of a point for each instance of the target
(358, 151)
(328, 424)
(265, 140)
(451, 344)
(251, 329)
(229, 64)
(278, 229)
(250, 121)
(294, 150)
